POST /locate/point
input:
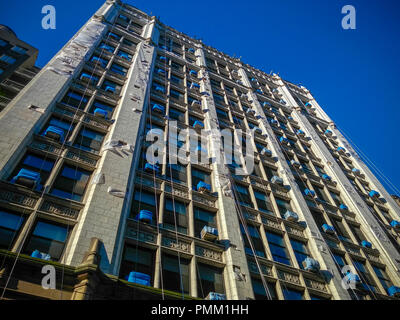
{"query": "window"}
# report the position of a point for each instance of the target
(3, 43)
(314, 297)
(7, 59)
(89, 140)
(101, 61)
(65, 126)
(179, 214)
(107, 47)
(198, 175)
(283, 206)
(10, 224)
(357, 233)
(119, 69)
(210, 279)
(319, 219)
(300, 251)
(104, 106)
(19, 50)
(48, 237)
(291, 294)
(124, 55)
(177, 172)
(176, 114)
(137, 259)
(176, 80)
(301, 184)
(341, 230)
(244, 196)
(176, 66)
(175, 273)
(144, 201)
(270, 172)
(75, 100)
(340, 262)
(320, 194)
(255, 239)
(263, 202)
(89, 78)
(320, 170)
(111, 87)
(383, 277)
(203, 218)
(114, 36)
(260, 291)
(71, 183)
(365, 277)
(175, 94)
(278, 248)
(35, 163)
(336, 198)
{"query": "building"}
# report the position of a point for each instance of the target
(17, 65)
(77, 192)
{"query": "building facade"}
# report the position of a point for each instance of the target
(309, 221)
(17, 65)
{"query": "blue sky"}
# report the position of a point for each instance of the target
(353, 74)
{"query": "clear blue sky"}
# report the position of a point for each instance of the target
(353, 74)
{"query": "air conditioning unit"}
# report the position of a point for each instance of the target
(343, 207)
(366, 244)
(151, 168)
(326, 177)
(341, 150)
(40, 255)
(277, 180)
(54, 133)
(284, 141)
(161, 71)
(216, 296)
(100, 113)
(301, 133)
(266, 152)
(208, 233)
(312, 265)
(309, 193)
(395, 224)
(194, 86)
(291, 216)
(198, 125)
(203, 187)
(351, 277)
(328, 229)
(196, 103)
(157, 108)
(374, 194)
(145, 216)
(27, 178)
(295, 164)
(193, 73)
(251, 111)
(139, 278)
(274, 123)
(394, 291)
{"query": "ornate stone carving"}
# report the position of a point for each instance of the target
(208, 253)
(173, 244)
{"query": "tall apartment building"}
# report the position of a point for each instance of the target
(78, 193)
(17, 65)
